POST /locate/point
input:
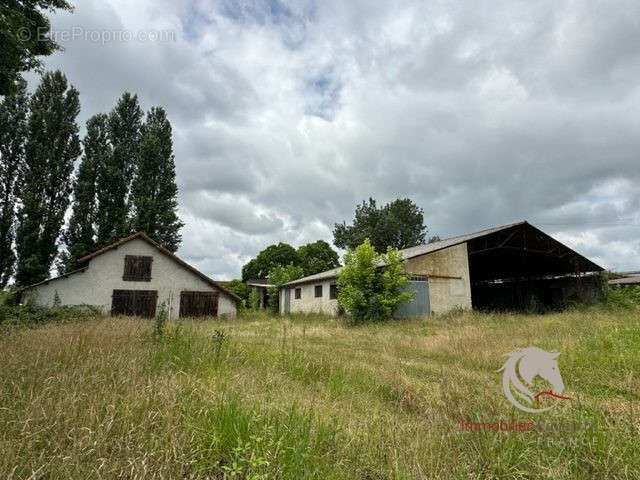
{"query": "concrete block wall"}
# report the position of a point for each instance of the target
(445, 293)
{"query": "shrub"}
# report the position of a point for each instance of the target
(242, 290)
(33, 315)
(254, 299)
(627, 296)
(368, 292)
(278, 277)
(160, 321)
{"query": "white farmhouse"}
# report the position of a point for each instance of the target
(136, 276)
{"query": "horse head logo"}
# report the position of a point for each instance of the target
(524, 365)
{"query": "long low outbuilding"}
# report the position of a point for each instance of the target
(511, 267)
(136, 276)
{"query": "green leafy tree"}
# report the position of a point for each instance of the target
(51, 149)
(277, 255)
(370, 285)
(277, 278)
(80, 236)
(24, 37)
(154, 190)
(114, 179)
(398, 224)
(13, 130)
(317, 257)
(240, 288)
(434, 239)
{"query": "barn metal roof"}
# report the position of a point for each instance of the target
(631, 278)
(418, 250)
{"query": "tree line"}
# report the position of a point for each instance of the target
(125, 180)
(398, 224)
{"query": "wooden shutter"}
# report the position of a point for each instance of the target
(141, 303)
(137, 268)
(198, 304)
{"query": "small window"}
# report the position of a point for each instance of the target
(318, 290)
(333, 291)
(137, 268)
(298, 294)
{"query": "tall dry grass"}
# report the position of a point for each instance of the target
(307, 397)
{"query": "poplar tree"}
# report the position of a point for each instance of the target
(24, 36)
(114, 177)
(80, 236)
(154, 191)
(13, 127)
(51, 149)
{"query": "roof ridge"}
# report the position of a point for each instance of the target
(448, 239)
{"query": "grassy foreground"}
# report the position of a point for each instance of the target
(307, 397)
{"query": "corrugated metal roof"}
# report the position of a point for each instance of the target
(318, 276)
(416, 251)
(631, 280)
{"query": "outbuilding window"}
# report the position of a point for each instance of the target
(137, 268)
(298, 294)
(318, 290)
(333, 291)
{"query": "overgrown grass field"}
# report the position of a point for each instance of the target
(308, 397)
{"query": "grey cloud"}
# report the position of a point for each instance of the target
(286, 115)
(238, 214)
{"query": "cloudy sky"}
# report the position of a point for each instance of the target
(287, 114)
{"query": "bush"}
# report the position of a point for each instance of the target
(242, 290)
(367, 292)
(278, 277)
(254, 299)
(618, 296)
(12, 313)
(160, 321)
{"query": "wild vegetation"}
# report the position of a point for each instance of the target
(366, 292)
(310, 397)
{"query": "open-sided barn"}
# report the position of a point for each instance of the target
(135, 276)
(511, 267)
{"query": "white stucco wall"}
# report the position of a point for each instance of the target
(95, 285)
(308, 303)
(445, 292)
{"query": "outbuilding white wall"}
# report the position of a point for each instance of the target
(95, 285)
(309, 303)
(448, 276)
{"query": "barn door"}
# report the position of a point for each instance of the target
(419, 305)
(198, 304)
(141, 303)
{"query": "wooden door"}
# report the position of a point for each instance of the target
(198, 304)
(141, 303)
